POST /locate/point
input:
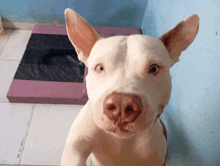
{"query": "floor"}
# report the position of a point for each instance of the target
(30, 134)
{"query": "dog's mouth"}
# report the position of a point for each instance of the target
(119, 132)
(118, 129)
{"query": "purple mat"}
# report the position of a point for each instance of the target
(31, 91)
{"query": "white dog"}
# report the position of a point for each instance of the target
(128, 86)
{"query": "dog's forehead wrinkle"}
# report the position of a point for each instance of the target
(145, 50)
(111, 44)
(145, 43)
(112, 50)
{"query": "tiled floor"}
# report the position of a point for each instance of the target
(30, 134)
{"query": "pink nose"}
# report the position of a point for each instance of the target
(122, 107)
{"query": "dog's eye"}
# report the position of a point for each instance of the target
(154, 69)
(99, 68)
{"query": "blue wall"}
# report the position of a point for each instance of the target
(118, 13)
(193, 114)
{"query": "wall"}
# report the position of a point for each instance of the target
(193, 114)
(118, 13)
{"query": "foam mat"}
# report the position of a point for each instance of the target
(49, 71)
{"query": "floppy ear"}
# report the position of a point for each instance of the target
(180, 37)
(81, 34)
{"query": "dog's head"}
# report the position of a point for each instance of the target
(128, 82)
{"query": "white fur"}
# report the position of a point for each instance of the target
(126, 61)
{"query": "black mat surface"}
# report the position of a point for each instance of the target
(50, 58)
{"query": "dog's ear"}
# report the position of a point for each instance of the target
(81, 34)
(180, 37)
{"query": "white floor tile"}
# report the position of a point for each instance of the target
(47, 134)
(14, 123)
(16, 45)
(7, 72)
(4, 39)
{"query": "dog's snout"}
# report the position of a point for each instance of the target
(122, 107)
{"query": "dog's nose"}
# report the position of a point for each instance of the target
(122, 106)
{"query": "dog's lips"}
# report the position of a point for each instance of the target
(115, 125)
(119, 132)
(118, 129)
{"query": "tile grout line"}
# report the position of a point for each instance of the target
(10, 59)
(24, 140)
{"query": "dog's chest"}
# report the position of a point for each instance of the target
(141, 150)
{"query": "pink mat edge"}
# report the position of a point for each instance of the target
(53, 94)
